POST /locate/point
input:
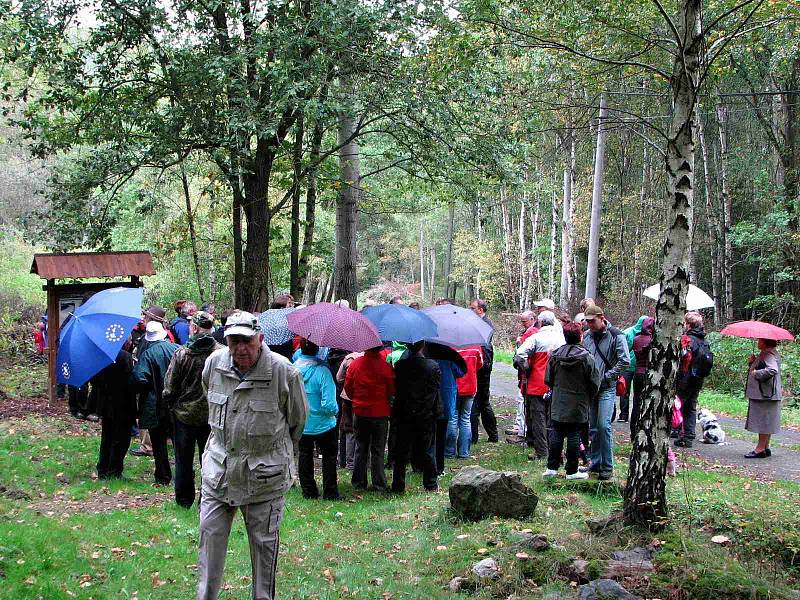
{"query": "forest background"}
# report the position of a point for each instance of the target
(422, 149)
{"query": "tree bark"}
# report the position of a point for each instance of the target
(448, 261)
(597, 204)
(645, 501)
(295, 288)
(567, 272)
(311, 201)
(727, 211)
(347, 211)
(187, 197)
(551, 275)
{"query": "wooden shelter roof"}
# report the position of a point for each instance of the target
(83, 265)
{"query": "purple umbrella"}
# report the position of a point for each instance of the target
(334, 326)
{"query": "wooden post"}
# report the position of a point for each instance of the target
(53, 326)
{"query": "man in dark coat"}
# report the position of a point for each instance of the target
(482, 406)
(116, 404)
(416, 408)
(184, 395)
(148, 375)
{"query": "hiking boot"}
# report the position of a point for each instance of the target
(515, 439)
(605, 475)
(683, 443)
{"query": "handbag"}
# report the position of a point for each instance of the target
(677, 414)
(622, 386)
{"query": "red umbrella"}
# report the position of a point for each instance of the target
(334, 326)
(757, 329)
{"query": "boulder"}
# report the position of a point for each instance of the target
(605, 589)
(486, 569)
(456, 583)
(537, 542)
(476, 492)
(629, 563)
(578, 571)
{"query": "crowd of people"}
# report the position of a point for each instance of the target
(259, 415)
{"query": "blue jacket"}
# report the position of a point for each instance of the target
(180, 327)
(448, 389)
(320, 393)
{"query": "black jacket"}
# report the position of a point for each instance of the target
(417, 396)
(115, 398)
(574, 379)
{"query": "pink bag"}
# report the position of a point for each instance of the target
(677, 415)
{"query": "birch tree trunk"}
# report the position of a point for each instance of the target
(551, 279)
(421, 262)
(645, 500)
(727, 211)
(567, 272)
(716, 228)
(347, 213)
(524, 261)
(597, 204)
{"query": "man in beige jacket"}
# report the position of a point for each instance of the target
(256, 409)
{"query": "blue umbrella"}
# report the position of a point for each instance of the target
(95, 332)
(275, 327)
(399, 323)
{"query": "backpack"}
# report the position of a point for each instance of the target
(702, 359)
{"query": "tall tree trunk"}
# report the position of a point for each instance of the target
(187, 197)
(715, 227)
(448, 261)
(567, 272)
(727, 211)
(523, 260)
(295, 288)
(238, 253)
(421, 262)
(551, 274)
(534, 267)
(347, 211)
(311, 201)
(645, 499)
(597, 204)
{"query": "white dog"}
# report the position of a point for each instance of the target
(712, 432)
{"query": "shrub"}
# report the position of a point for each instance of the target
(17, 320)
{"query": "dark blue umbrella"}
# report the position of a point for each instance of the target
(459, 327)
(95, 332)
(399, 323)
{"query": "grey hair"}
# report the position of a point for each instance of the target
(547, 317)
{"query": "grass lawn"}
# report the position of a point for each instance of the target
(64, 534)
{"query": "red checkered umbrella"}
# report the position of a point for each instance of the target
(334, 326)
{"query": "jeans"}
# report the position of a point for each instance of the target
(600, 411)
(370, 435)
(482, 408)
(413, 441)
(327, 443)
(158, 438)
(459, 428)
(624, 401)
(187, 438)
(115, 439)
(536, 417)
(559, 431)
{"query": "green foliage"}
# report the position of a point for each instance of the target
(477, 263)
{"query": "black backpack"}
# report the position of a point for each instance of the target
(702, 359)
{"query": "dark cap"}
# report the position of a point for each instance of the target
(156, 313)
(203, 320)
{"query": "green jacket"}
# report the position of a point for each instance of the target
(630, 333)
(183, 386)
(398, 349)
(148, 375)
(574, 379)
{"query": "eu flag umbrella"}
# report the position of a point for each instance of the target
(95, 332)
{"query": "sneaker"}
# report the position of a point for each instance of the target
(512, 431)
(578, 475)
(93, 418)
(139, 452)
(548, 473)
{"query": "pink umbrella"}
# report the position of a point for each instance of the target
(757, 329)
(334, 326)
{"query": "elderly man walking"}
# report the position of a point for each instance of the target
(185, 396)
(257, 410)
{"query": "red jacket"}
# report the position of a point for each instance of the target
(536, 349)
(369, 383)
(468, 384)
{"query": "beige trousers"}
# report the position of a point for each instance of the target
(263, 521)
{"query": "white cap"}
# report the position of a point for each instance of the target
(155, 332)
(242, 323)
(546, 303)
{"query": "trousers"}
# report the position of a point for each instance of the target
(115, 439)
(327, 442)
(536, 417)
(482, 408)
(370, 433)
(572, 433)
(186, 439)
(262, 520)
(158, 438)
(600, 415)
(413, 441)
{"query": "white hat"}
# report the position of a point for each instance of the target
(242, 323)
(546, 303)
(155, 332)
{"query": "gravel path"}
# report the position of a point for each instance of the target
(784, 464)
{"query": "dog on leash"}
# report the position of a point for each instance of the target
(712, 432)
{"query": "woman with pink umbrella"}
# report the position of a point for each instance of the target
(763, 388)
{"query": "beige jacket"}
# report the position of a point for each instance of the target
(256, 423)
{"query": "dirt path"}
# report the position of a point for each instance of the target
(783, 464)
